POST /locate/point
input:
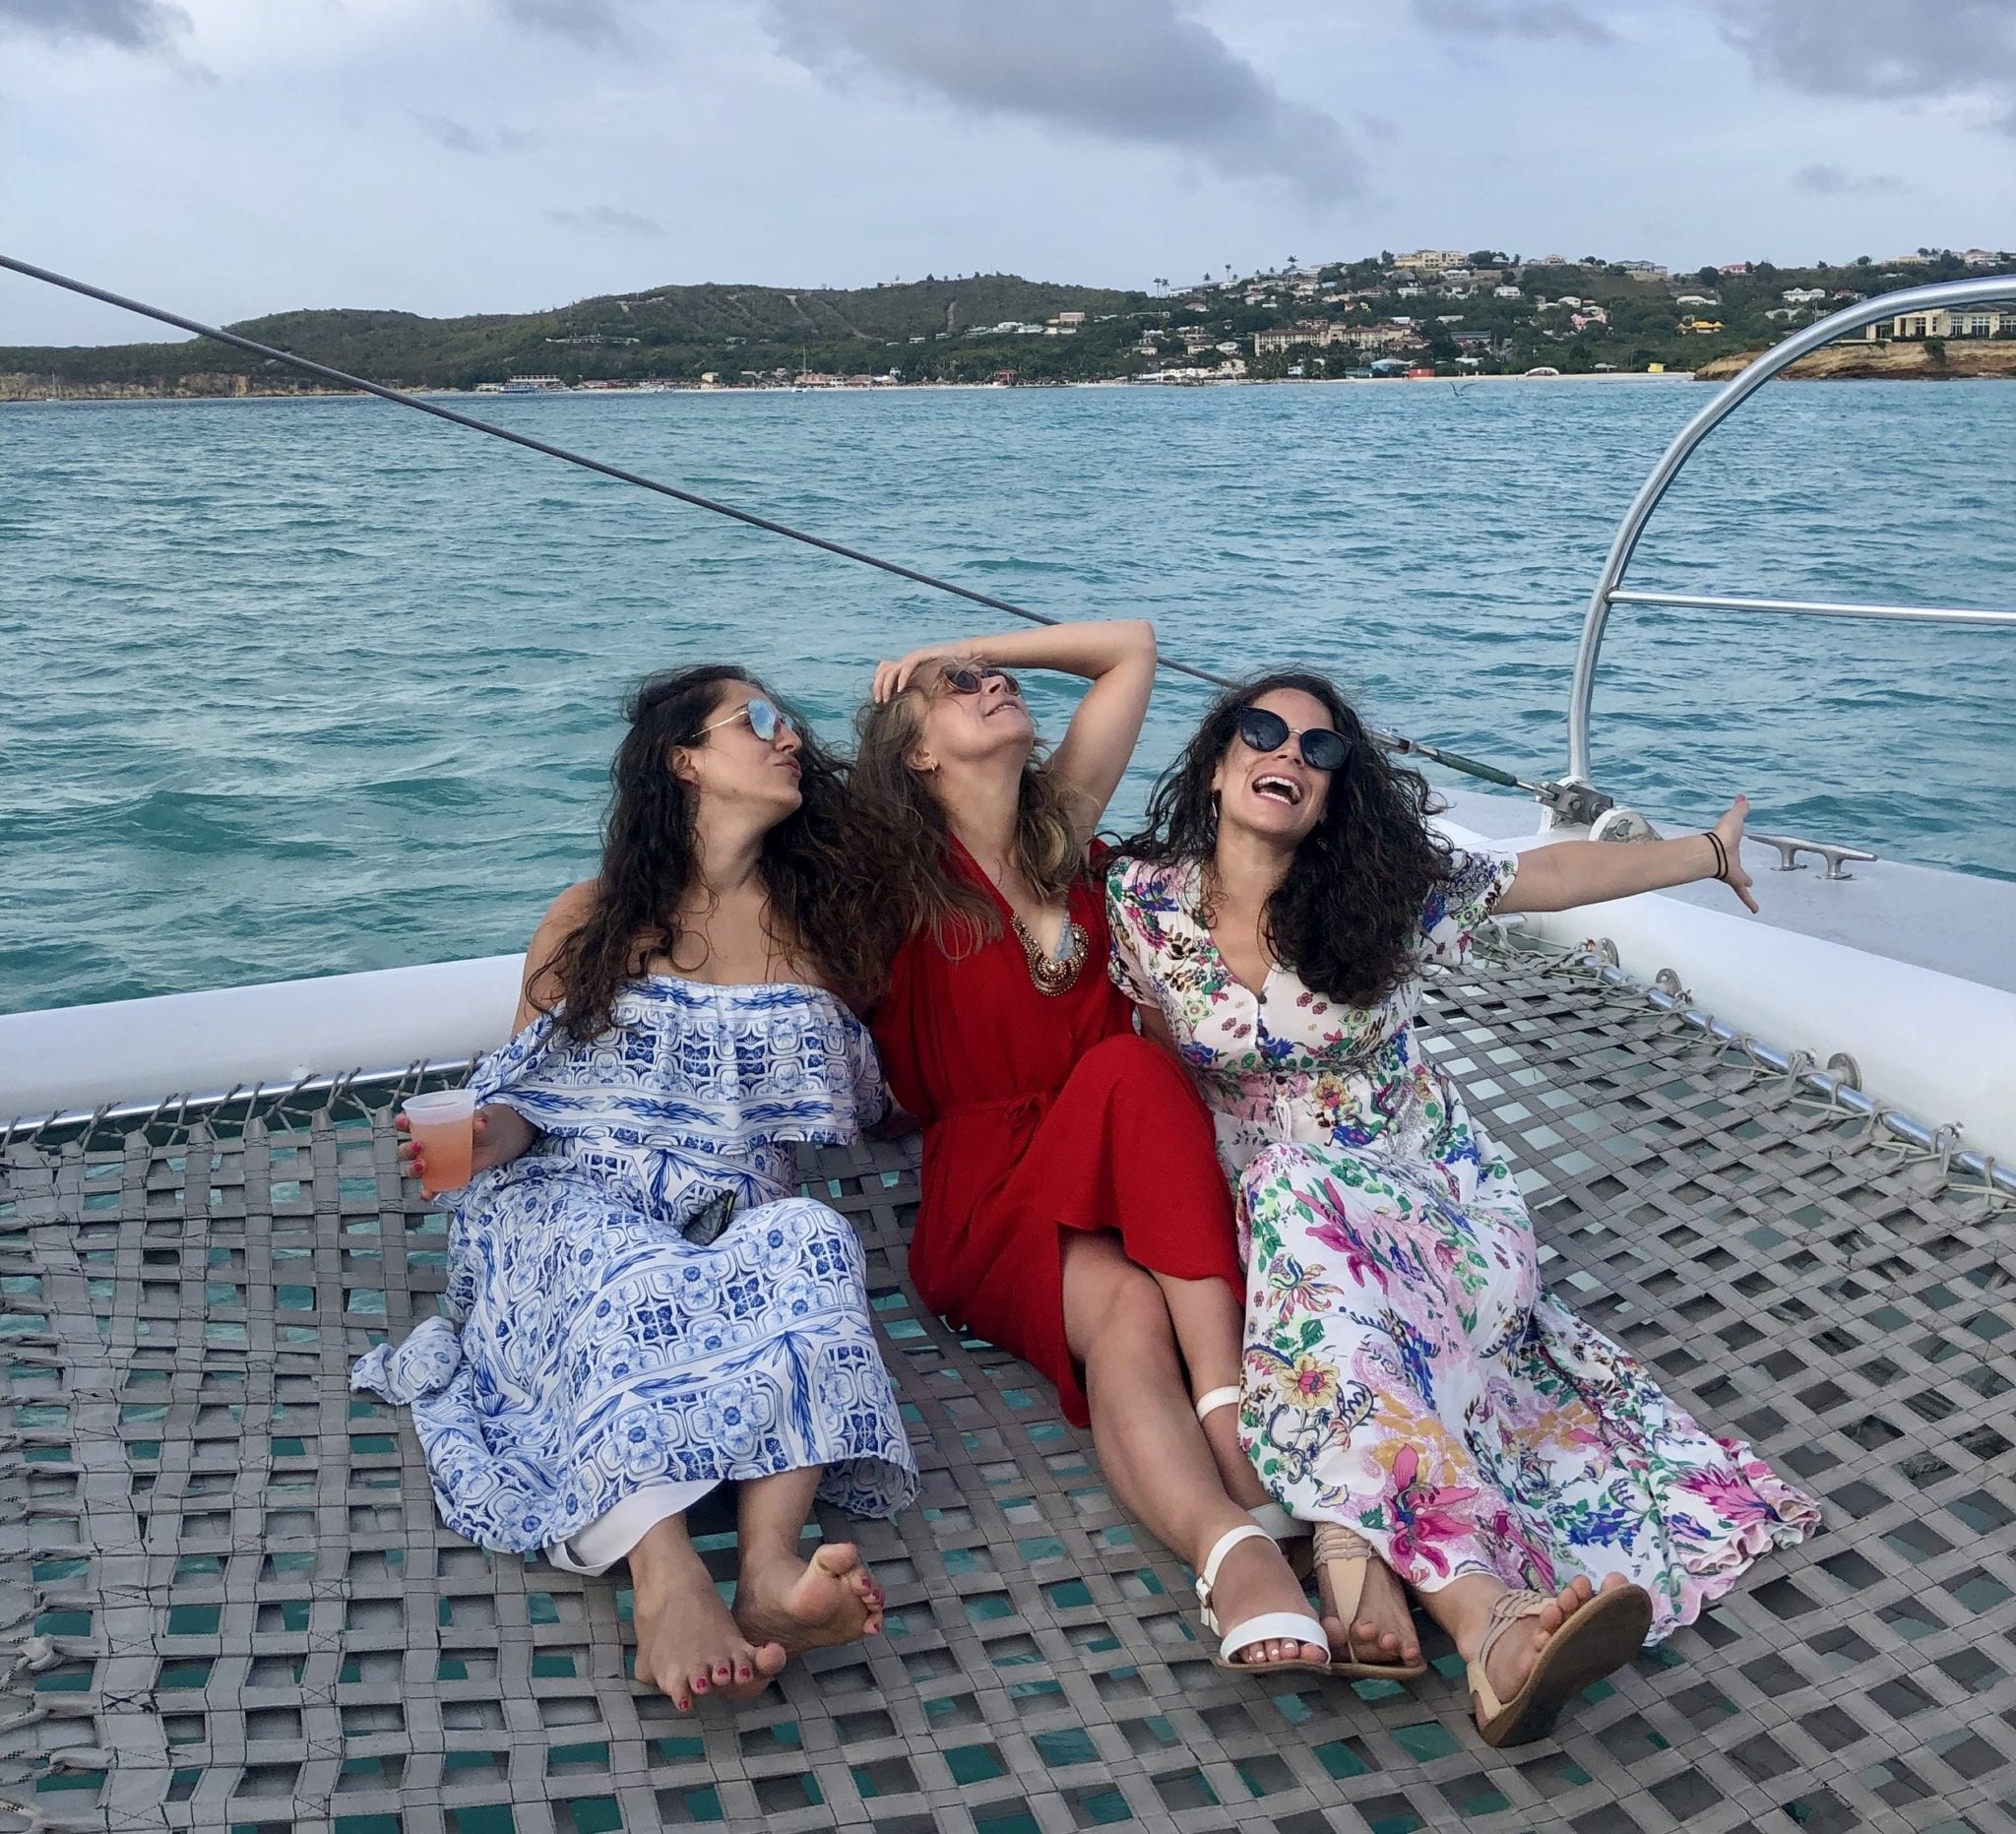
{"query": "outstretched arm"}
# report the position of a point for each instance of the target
(1115, 654)
(1586, 872)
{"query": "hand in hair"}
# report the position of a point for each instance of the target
(891, 679)
(1115, 654)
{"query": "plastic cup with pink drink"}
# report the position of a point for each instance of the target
(444, 1128)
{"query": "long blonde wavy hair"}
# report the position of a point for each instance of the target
(899, 843)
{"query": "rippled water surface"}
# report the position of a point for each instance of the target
(296, 687)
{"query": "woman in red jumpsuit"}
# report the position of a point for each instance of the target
(1073, 1211)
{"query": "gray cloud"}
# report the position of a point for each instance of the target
(1543, 20)
(1832, 181)
(1125, 70)
(444, 131)
(604, 218)
(1874, 50)
(598, 24)
(129, 25)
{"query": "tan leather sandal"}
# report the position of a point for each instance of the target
(1598, 1640)
(1344, 1558)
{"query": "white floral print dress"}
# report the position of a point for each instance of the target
(1404, 1371)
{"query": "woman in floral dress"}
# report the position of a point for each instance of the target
(1408, 1382)
(640, 1307)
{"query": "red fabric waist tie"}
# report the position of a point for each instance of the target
(1033, 1104)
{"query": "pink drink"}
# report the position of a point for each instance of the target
(444, 1129)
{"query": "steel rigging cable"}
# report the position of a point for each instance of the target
(1392, 742)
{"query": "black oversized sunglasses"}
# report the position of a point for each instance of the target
(1322, 749)
(964, 678)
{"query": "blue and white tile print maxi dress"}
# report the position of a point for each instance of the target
(605, 1358)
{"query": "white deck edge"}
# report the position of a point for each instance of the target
(1930, 1045)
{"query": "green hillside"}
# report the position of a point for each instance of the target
(1446, 314)
(668, 331)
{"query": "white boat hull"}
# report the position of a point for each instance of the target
(1931, 1045)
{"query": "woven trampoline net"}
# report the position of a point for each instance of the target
(225, 1603)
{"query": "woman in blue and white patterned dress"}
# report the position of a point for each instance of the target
(638, 1307)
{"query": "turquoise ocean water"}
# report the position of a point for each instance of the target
(299, 688)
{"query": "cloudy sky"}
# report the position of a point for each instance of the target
(227, 157)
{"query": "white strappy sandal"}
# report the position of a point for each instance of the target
(1294, 1627)
(1273, 1520)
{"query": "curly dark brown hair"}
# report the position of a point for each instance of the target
(899, 875)
(1348, 916)
(649, 861)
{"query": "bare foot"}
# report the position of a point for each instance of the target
(1514, 1654)
(688, 1645)
(1383, 1629)
(831, 1599)
(1253, 1580)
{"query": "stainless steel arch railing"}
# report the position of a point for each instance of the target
(1609, 589)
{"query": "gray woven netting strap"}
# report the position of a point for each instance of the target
(228, 1603)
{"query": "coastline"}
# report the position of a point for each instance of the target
(1956, 360)
(1142, 385)
(1970, 360)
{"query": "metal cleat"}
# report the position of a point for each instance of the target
(1790, 849)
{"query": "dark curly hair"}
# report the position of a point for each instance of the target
(1348, 916)
(649, 863)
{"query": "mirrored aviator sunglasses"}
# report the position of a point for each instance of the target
(1321, 748)
(766, 719)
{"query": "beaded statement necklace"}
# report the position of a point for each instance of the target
(1053, 974)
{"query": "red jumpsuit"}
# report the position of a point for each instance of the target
(1042, 1112)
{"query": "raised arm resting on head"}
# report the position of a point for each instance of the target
(1586, 872)
(1115, 654)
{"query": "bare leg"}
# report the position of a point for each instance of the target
(1149, 1445)
(688, 1645)
(783, 1598)
(1463, 1608)
(1209, 1325)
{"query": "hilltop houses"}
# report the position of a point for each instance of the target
(1320, 335)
